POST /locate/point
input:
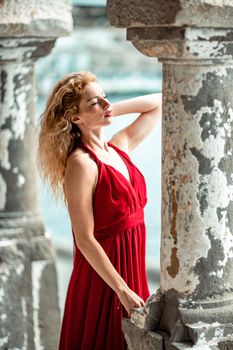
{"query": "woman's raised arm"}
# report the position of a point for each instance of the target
(140, 104)
(150, 109)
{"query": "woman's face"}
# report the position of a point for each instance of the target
(94, 109)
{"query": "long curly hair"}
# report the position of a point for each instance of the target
(58, 136)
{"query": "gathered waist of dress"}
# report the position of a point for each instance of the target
(131, 220)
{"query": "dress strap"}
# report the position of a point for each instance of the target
(92, 154)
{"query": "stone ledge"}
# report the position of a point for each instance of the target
(139, 339)
(193, 13)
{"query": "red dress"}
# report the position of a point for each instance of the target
(93, 313)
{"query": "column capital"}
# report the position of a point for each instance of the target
(177, 30)
(214, 45)
(32, 18)
(24, 49)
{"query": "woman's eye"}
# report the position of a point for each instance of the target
(95, 103)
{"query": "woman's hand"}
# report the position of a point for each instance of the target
(129, 299)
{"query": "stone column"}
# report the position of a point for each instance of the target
(194, 42)
(29, 311)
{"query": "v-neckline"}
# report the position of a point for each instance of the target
(116, 170)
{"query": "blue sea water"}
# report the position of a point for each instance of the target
(89, 2)
(147, 157)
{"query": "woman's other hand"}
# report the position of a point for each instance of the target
(129, 299)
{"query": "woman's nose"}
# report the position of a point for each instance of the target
(105, 103)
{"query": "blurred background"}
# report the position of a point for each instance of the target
(123, 73)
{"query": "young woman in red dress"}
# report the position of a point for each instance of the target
(106, 195)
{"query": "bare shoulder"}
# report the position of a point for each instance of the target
(80, 160)
(80, 168)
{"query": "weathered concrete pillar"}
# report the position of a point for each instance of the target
(29, 312)
(194, 42)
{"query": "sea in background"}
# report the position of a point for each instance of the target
(123, 73)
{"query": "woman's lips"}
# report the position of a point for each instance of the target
(109, 114)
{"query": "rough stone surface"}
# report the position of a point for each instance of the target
(192, 44)
(139, 339)
(198, 13)
(25, 287)
(197, 140)
(19, 212)
(44, 18)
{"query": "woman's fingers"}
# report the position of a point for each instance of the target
(139, 303)
(142, 302)
(130, 300)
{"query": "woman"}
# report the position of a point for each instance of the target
(105, 194)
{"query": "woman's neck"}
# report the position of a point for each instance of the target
(95, 140)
